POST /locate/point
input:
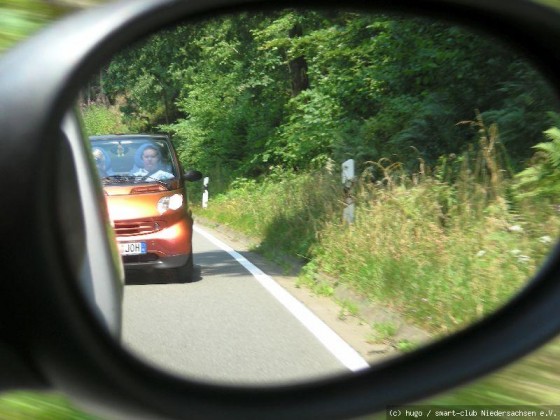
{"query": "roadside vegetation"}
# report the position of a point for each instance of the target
(444, 246)
(39, 406)
(20, 18)
(102, 119)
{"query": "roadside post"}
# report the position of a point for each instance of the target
(348, 181)
(205, 192)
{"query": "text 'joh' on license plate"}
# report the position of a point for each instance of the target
(132, 248)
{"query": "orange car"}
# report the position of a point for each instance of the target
(144, 185)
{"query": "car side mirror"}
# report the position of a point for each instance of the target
(192, 175)
(51, 338)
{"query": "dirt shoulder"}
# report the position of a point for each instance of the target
(371, 329)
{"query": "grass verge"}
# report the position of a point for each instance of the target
(443, 247)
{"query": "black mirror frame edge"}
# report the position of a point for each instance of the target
(48, 338)
(192, 175)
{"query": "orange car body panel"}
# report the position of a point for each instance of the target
(135, 219)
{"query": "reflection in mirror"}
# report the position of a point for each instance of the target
(396, 175)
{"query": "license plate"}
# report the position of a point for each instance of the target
(133, 248)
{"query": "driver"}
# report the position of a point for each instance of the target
(151, 158)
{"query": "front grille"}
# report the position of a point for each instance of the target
(139, 227)
(139, 258)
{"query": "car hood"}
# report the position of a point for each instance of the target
(123, 205)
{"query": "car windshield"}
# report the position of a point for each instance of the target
(133, 160)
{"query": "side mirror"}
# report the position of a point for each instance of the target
(192, 175)
(52, 335)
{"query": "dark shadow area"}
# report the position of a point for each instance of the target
(218, 263)
(206, 264)
(153, 276)
(292, 234)
(308, 204)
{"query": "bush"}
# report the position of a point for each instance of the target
(100, 119)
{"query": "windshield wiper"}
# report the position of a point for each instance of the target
(117, 179)
(136, 179)
(147, 178)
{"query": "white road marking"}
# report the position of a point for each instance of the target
(331, 340)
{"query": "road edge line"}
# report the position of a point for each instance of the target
(339, 348)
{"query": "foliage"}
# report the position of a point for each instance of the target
(244, 94)
(39, 406)
(21, 18)
(442, 245)
(285, 212)
(99, 119)
(541, 180)
(533, 381)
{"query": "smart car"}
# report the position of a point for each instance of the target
(144, 187)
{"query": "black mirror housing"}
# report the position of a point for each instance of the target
(191, 175)
(57, 339)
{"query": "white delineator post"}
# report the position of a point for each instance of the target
(205, 193)
(348, 179)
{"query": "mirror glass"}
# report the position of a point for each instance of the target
(371, 182)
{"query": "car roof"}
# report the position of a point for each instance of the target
(129, 137)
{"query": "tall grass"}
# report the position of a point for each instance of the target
(286, 213)
(444, 247)
(440, 269)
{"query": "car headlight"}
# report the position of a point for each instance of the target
(172, 202)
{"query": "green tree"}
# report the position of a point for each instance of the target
(253, 93)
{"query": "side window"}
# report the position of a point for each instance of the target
(166, 161)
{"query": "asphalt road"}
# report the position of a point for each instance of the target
(230, 325)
